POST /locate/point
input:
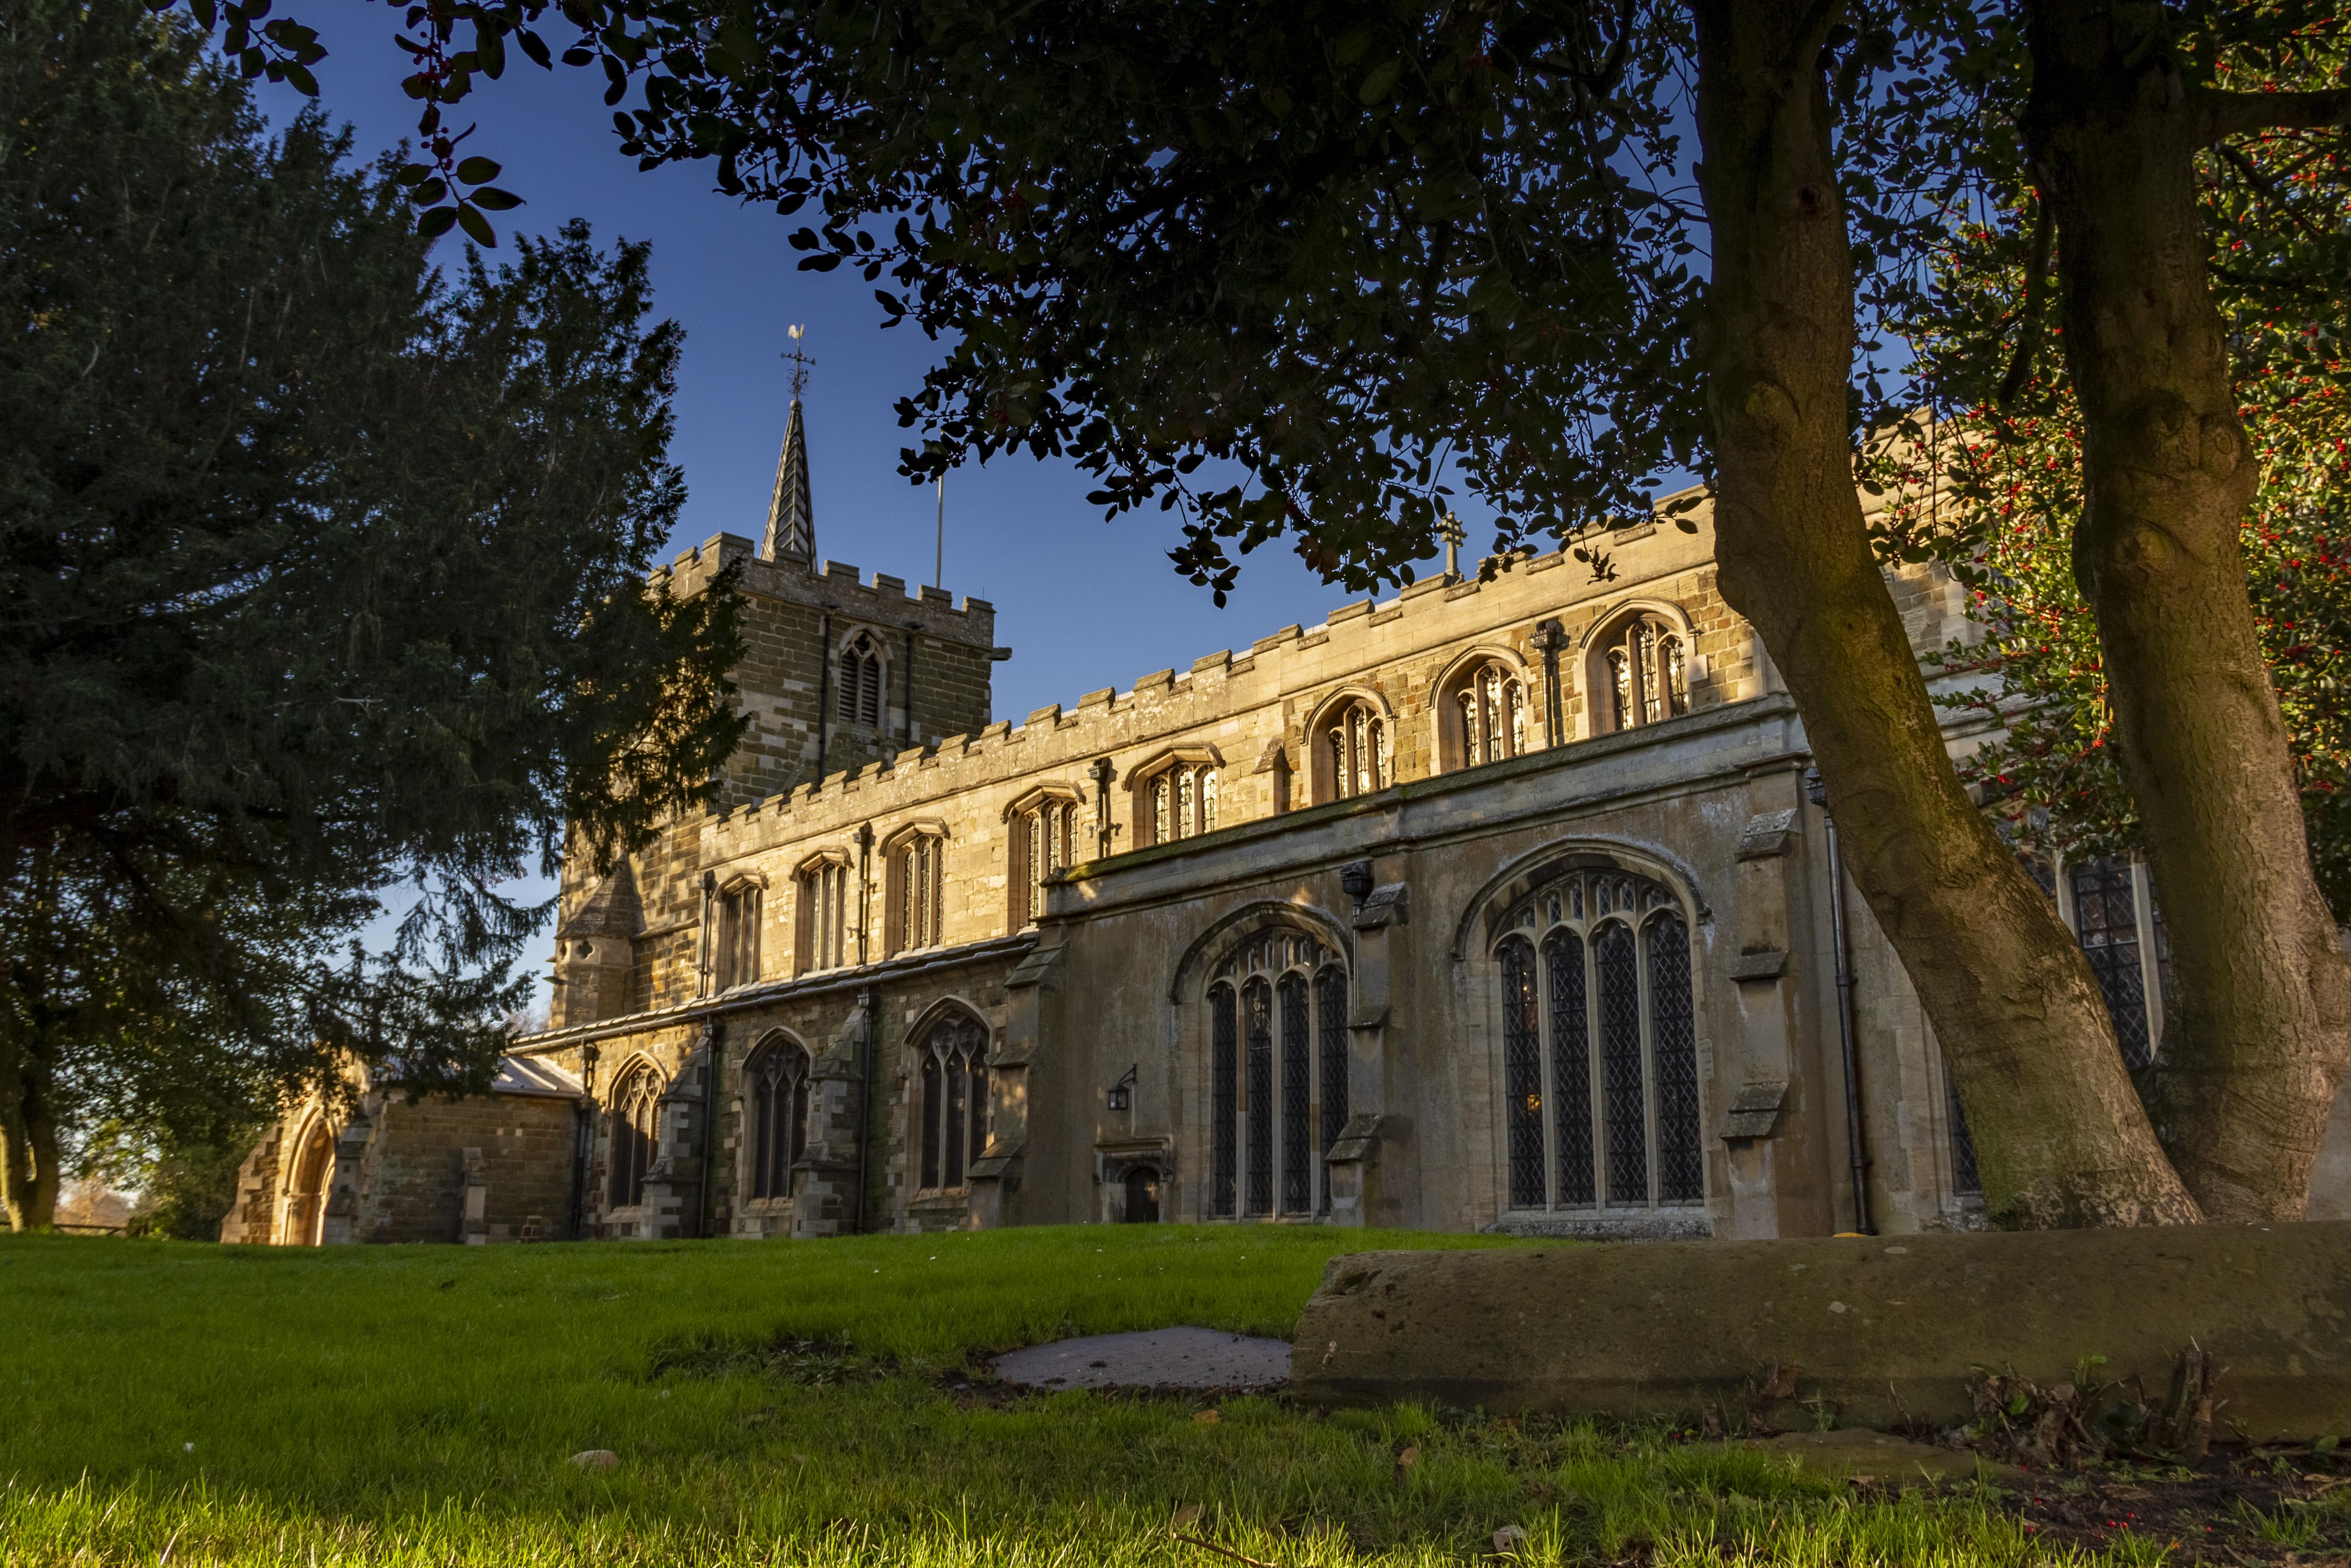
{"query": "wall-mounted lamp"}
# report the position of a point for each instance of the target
(1121, 1094)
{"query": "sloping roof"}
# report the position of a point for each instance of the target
(611, 911)
(791, 514)
(529, 1075)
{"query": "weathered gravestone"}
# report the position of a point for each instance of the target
(1879, 1329)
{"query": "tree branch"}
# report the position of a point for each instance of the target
(2036, 274)
(2235, 113)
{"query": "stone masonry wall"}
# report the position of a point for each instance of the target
(413, 1187)
(1250, 713)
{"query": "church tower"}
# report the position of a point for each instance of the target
(840, 671)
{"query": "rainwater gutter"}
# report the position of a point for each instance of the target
(1855, 1132)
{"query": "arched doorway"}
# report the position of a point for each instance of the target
(306, 1196)
(1142, 1196)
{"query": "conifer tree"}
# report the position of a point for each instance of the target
(324, 575)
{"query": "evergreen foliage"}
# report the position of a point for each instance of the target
(324, 574)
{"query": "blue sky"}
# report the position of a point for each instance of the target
(1083, 604)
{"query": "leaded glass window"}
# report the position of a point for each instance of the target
(1278, 1075)
(1489, 709)
(737, 956)
(824, 914)
(918, 891)
(1643, 667)
(777, 1082)
(1183, 801)
(1331, 1011)
(2105, 917)
(1598, 1022)
(1523, 1074)
(955, 1099)
(1256, 1007)
(1224, 1102)
(1297, 1098)
(636, 1115)
(1045, 843)
(1357, 751)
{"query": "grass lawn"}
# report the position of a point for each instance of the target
(174, 1404)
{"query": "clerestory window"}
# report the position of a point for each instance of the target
(1354, 752)
(1484, 707)
(1044, 842)
(1180, 801)
(822, 928)
(736, 958)
(1639, 673)
(917, 889)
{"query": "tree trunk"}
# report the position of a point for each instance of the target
(2060, 1137)
(29, 1141)
(2258, 1028)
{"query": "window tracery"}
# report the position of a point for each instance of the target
(1181, 800)
(860, 697)
(1600, 1048)
(778, 1078)
(917, 889)
(1641, 675)
(636, 1113)
(1278, 1076)
(953, 1053)
(1486, 707)
(1044, 842)
(823, 935)
(736, 961)
(1358, 750)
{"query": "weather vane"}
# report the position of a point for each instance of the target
(801, 363)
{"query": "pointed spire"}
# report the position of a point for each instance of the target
(791, 516)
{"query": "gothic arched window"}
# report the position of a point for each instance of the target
(636, 1112)
(1356, 752)
(1485, 712)
(1278, 1076)
(1044, 842)
(737, 949)
(917, 889)
(954, 1111)
(777, 1084)
(1599, 1047)
(860, 680)
(1639, 673)
(824, 923)
(1180, 801)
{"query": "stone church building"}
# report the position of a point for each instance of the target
(1500, 904)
